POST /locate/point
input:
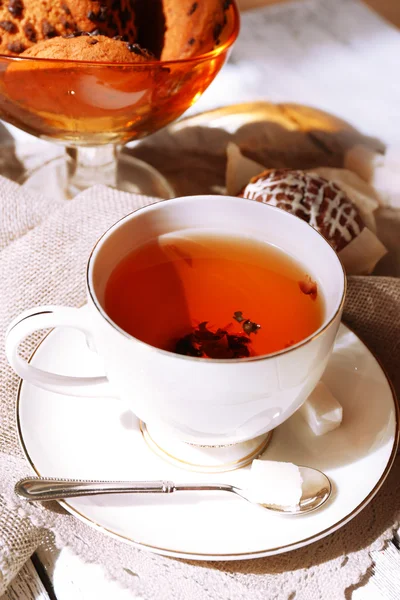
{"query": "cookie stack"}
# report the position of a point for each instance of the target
(111, 30)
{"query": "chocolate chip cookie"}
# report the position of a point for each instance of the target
(23, 23)
(192, 28)
(89, 47)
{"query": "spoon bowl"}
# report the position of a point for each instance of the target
(316, 489)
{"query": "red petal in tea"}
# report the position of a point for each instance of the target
(309, 287)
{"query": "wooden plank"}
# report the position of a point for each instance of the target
(26, 586)
(246, 4)
(74, 579)
(388, 9)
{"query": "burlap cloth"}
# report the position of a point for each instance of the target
(43, 250)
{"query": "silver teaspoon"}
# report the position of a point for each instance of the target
(316, 489)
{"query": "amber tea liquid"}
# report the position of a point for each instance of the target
(203, 285)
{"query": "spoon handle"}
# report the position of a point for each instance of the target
(35, 488)
(46, 488)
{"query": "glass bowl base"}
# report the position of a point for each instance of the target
(56, 178)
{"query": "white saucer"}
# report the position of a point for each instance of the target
(96, 438)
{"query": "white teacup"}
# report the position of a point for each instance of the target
(200, 401)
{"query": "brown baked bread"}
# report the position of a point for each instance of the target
(25, 22)
(192, 28)
(319, 202)
(88, 47)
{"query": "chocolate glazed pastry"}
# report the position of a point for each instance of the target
(25, 22)
(192, 28)
(319, 202)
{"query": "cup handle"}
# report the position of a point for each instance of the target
(45, 317)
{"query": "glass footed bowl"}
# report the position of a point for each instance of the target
(95, 108)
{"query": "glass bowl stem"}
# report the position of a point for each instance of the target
(91, 165)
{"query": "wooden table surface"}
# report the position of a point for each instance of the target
(85, 582)
(389, 9)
